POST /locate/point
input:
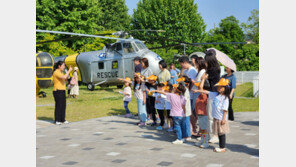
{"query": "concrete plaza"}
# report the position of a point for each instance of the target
(117, 141)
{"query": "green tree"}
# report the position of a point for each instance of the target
(229, 30)
(114, 15)
(179, 18)
(247, 58)
(69, 16)
(252, 26)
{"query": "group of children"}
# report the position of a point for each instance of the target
(171, 103)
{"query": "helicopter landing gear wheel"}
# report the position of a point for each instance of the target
(42, 94)
(119, 86)
(90, 86)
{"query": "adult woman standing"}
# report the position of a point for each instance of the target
(74, 83)
(164, 74)
(213, 71)
(232, 86)
(146, 71)
(59, 92)
(174, 74)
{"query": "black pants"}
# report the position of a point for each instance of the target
(150, 107)
(161, 116)
(222, 141)
(230, 111)
(60, 105)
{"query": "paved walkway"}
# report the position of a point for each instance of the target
(117, 141)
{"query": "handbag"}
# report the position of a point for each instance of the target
(72, 82)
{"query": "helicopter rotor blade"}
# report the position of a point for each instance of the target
(83, 35)
(69, 38)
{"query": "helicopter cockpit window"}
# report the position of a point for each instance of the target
(140, 46)
(136, 48)
(128, 48)
(114, 64)
(116, 46)
(101, 65)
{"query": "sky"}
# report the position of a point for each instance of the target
(212, 11)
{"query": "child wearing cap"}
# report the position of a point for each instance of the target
(127, 95)
(178, 102)
(140, 94)
(150, 106)
(160, 105)
(219, 111)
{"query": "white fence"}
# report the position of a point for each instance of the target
(246, 76)
(249, 76)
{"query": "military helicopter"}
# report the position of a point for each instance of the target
(115, 60)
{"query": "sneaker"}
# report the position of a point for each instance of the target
(58, 123)
(65, 122)
(170, 129)
(159, 128)
(177, 142)
(204, 145)
(188, 139)
(142, 124)
(214, 139)
(219, 150)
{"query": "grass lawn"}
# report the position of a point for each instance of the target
(107, 101)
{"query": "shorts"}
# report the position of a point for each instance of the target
(202, 122)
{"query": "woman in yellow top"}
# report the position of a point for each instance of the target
(59, 92)
(164, 74)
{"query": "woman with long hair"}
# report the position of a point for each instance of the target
(59, 92)
(213, 71)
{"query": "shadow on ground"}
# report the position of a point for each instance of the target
(47, 119)
(243, 149)
(253, 123)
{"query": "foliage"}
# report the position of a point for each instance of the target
(179, 18)
(252, 26)
(247, 58)
(85, 17)
(114, 15)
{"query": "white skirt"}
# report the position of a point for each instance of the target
(74, 90)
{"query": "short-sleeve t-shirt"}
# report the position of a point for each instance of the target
(127, 90)
(232, 81)
(177, 102)
(59, 83)
(191, 73)
(220, 103)
(159, 101)
(139, 91)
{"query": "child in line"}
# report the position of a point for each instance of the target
(160, 105)
(151, 85)
(127, 95)
(219, 111)
(178, 102)
(188, 126)
(168, 88)
(202, 115)
(140, 94)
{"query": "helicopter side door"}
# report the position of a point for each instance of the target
(129, 51)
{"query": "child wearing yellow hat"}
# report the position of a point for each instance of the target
(219, 111)
(150, 106)
(127, 95)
